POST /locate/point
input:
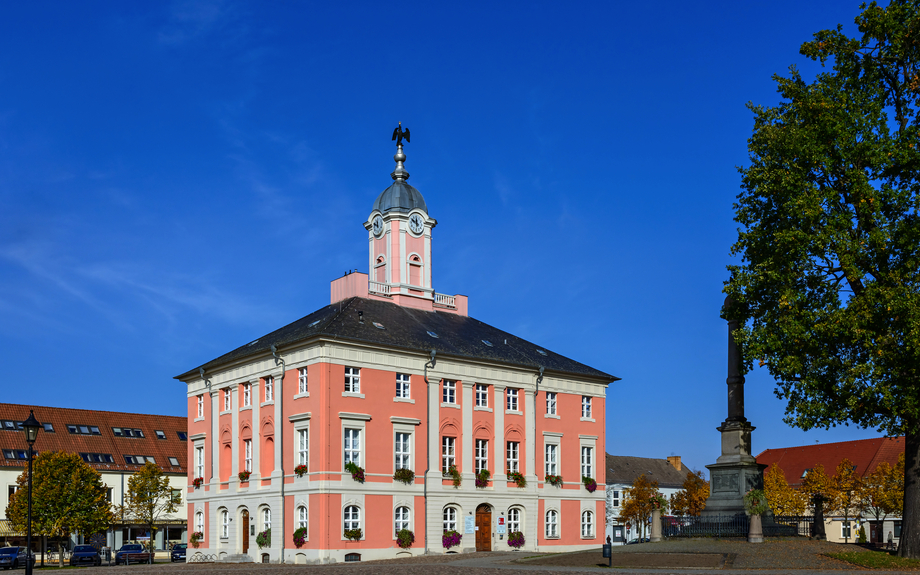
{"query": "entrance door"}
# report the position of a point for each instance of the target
(245, 528)
(483, 528)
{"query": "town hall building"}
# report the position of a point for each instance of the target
(391, 409)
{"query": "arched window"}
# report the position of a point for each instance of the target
(450, 519)
(199, 522)
(352, 518)
(514, 520)
(402, 519)
(552, 522)
(301, 517)
(380, 270)
(587, 524)
(415, 270)
(224, 523)
(266, 519)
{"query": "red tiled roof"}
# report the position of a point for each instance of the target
(104, 443)
(866, 454)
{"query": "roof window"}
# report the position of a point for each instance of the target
(541, 352)
(182, 435)
(313, 324)
(48, 427)
(83, 429)
(174, 461)
(433, 334)
(378, 325)
(487, 342)
(160, 434)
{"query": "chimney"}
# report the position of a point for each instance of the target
(675, 461)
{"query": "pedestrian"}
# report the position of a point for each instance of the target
(890, 540)
(608, 540)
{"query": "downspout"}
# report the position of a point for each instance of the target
(428, 364)
(279, 397)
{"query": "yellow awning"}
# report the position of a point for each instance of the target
(7, 530)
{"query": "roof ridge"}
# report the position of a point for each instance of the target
(33, 407)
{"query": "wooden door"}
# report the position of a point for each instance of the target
(245, 532)
(483, 528)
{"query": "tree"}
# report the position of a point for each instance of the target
(150, 498)
(783, 499)
(637, 503)
(68, 496)
(691, 499)
(829, 280)
(883, 491)
(845, 492)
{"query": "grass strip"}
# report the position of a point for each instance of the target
(877, 560)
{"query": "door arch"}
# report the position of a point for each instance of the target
(484, 527)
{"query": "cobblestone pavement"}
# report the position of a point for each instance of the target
(774, 557)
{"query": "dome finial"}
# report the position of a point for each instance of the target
(399, 134)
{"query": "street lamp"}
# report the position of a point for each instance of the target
(30, 427)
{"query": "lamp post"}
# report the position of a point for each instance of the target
(30, 427)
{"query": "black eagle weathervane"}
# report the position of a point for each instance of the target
(399, 134)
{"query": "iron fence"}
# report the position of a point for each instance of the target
(202, 558)
(724, 526)
(790, 525)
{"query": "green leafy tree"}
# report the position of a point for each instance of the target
(68, 496)
(150, 498)
(829, 280)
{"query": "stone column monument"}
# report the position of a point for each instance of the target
(735, 471)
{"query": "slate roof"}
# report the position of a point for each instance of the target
(409, 329)
(400, 197)
(866, 454)
(105, 442)
(624, 469)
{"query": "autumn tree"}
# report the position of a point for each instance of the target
(691, 499)
(883, 491)
(845, 489)
(68, 496)
(637, 503)
(829, 242)
(783, 499)
(150, 498)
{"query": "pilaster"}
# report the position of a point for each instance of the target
(466, 407)
(234, 433)
(214, 398)
(256, 433)
(499, 413)
(530, 441)
(278, 397)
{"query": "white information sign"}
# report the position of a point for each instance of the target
(469, 524)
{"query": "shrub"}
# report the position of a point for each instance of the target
(590, 484)
(405, 538)
(357, 473)
(516, 539)
(555, 480)
(518, 478)
(353, 534)
(407, 476)
(300, 470)
(862, 535)
(264, 539)
(244, 475)
(482, 478)
(451, 539)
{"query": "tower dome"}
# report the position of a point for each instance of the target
(400, 197)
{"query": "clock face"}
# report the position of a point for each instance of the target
(378, 225)
(416, 225)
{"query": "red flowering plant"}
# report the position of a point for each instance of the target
(357, 473)
(195, 538)
(244, 475)
(554, 480)
(300, 470)
(518, 478)
(198, 482)
(454, 475)
(590, 484)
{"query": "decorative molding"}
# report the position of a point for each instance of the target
(299, 417)
(198, 436)
(593, 437)
(349, 415)
(552, 434)
(406, 420)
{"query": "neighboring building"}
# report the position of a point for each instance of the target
(114, 444)
(392, 375)
(622, 472)
(865, 454)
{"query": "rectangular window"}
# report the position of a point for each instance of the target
(353, 446)
(352, 380)
(482, 395)
(897, 529)
(303, 447)
(48, 427)
(449, 393)
(227, 399)
(116, 431)
(482, 454)
(302, 380)
(615, 498)
(174, 461)
(247, 394)
(402, 451)
(587, 461)
(247, 455)
(269, 388)
(200, 406)
(845, 530)
(513, 456)
(550, 403)
(402, 385)
(182, 435)
(199, 462)
(512, 396)
(585, 406)
(448, 453)
(552, 452)
(160, 433)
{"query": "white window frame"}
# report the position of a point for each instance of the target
(199, 521)
(587, 461)
(514, 520)
(269, 389)
(227, 393)
(247, 455)
(615, 498)
(449, 392)
(448, 452)
(351, 518)
(266, 518)
(551, 459)
(352, 380)
(550, 403)
(511, 399)
(402, 450)
(351, 446)
(513, 456)
(303, 446)
(201, 406)
(482, 395)
(551, 524)
(199, 461)
(303, 519)
(402, 385)
(302, 386)
(587, 524)
(401, 519)
(481, 452)
(224, 524)
(449, 519)
(586, 407)
(247, 394)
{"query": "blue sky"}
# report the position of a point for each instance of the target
(177, 179)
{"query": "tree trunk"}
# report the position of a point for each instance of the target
(60, 552)
(910, 524)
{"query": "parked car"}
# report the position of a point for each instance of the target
(635, 540)
(178, 552)
(133, 553)
(85, 554)
(14, 557)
